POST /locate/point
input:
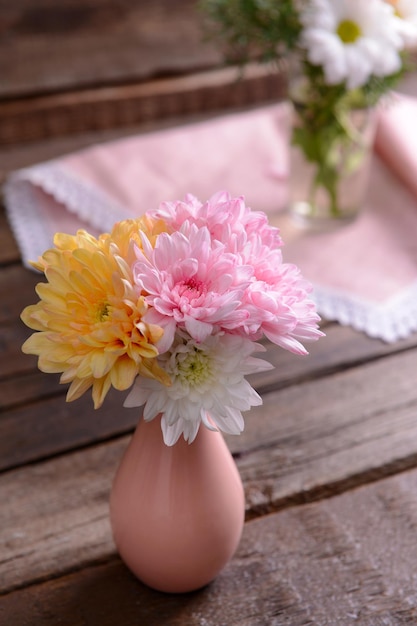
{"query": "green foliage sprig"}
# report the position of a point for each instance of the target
(264, 29)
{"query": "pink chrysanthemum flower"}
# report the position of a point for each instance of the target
(192, 283)
(282, 311)
(228, 219)
(276, 300)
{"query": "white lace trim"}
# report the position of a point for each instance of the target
(22, 211)
(83, 200)
(393, 320)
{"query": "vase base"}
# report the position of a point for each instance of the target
(306, 217)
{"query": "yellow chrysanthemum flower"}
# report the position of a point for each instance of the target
(89, 317)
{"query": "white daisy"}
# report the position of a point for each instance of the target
(208, 386)
(351, 39)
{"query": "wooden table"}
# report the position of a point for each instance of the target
(329, 465)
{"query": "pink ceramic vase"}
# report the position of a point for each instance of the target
(177, 512)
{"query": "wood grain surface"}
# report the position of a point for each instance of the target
(309, 440)
(90, 110)
(49, 46)
(338, 561)
(81, 66)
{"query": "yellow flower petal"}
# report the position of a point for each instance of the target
(101, 387)
(78, 387)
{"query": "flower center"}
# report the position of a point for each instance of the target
(192, 288)
(348, 31)
(102, 311)
(193, 367)
(190, 293)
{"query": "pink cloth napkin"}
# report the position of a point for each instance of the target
(244, 153)
(364, 274)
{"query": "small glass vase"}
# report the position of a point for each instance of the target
(329, 172)
(177, 512)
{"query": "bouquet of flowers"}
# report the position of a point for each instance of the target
(172, 306)
(343, 55)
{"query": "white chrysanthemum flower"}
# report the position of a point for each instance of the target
(351, 39)
(406, 12)
(208, 386)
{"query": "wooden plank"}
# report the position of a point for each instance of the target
(52, 426)
(17, 286)
(318, 564)
(36, 421)
(17, 389)
(99, 109)
(123, 106)
(328, 435)
(55, 509)
(9, 251)
(14, 362)
(308, 441)
(48, 46)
